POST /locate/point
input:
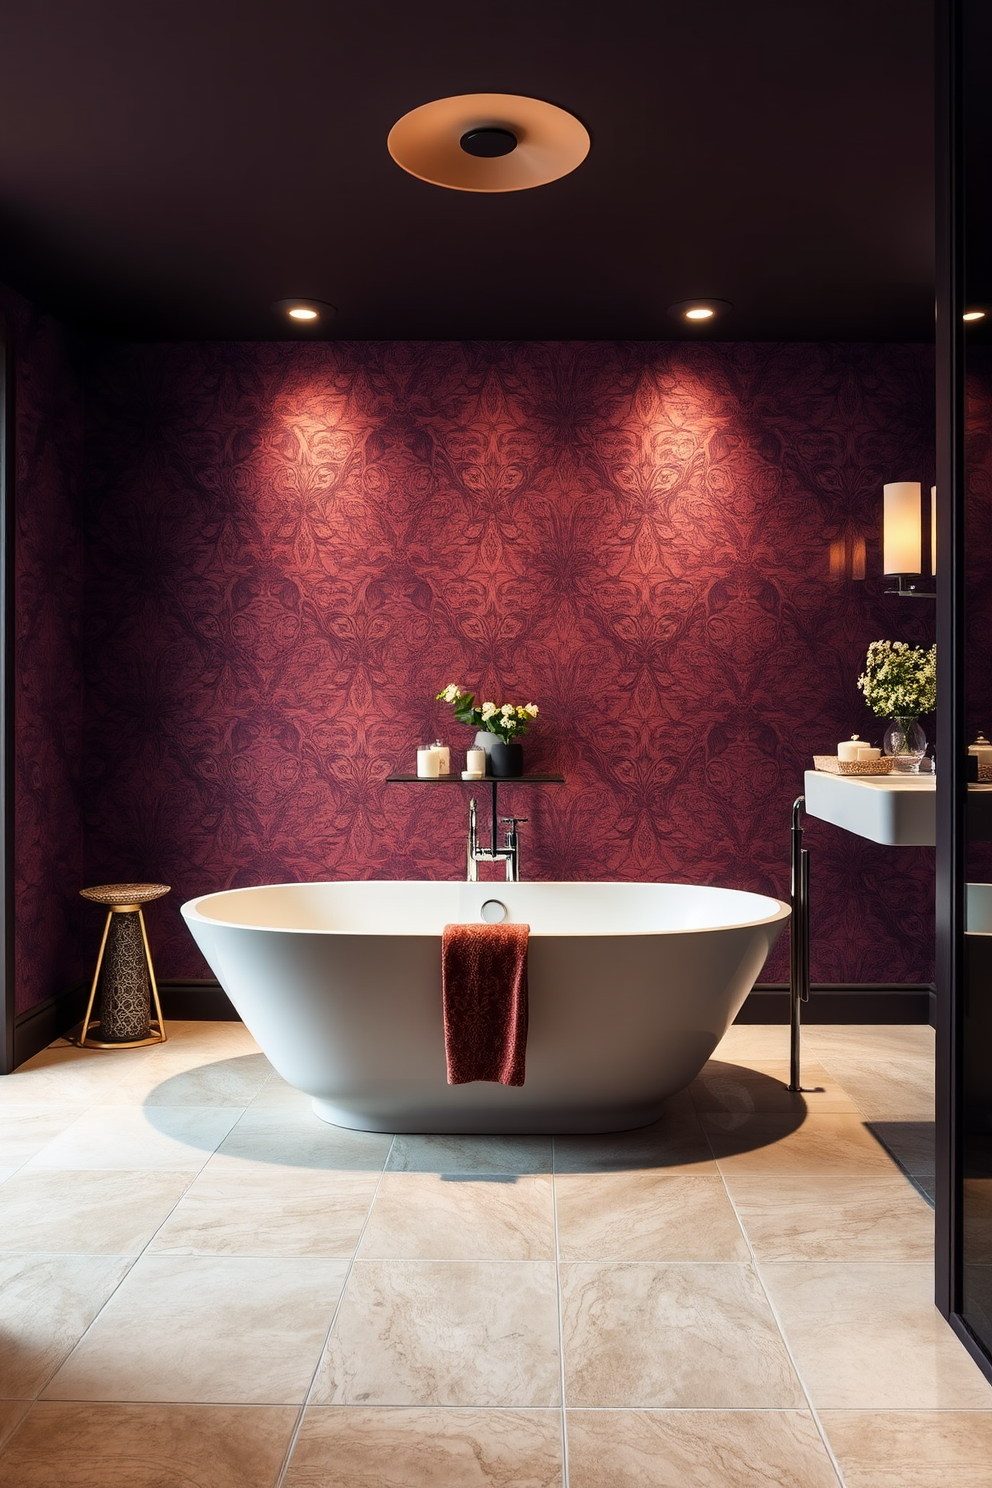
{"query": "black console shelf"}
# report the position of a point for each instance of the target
(491, 780)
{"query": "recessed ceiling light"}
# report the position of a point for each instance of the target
(699, 310)
(973, 315)
(488, 142)
(305, 312)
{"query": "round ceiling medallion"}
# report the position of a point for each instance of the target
(488, 142)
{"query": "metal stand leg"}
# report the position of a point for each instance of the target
(798, 942)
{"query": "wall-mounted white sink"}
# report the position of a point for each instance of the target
(898, 810)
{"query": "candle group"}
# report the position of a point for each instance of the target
(855, 749)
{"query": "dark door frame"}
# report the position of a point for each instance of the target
(7, 480)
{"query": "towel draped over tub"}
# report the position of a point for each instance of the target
(484, 984)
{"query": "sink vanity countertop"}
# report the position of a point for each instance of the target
(897, 810)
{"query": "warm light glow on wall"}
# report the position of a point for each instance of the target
(902, 537)
(847, 557)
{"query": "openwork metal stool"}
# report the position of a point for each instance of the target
(124, 976)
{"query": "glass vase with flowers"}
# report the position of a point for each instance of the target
(899, 683)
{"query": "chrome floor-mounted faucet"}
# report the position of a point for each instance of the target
(508, 853)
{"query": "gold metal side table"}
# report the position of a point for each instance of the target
(124, 976)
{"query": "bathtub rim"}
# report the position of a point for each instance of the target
(190, 909)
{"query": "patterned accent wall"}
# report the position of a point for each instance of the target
(292, 548)
(48, 702)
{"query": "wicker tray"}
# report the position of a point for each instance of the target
(831, 765)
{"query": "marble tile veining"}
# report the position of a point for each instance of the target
(177, 1332)
(68, 1445)
(418, 1448)
(646, 1216)
(672, 1335)
(78, 1212)
(697, 1449)
(912, 1449)
(450, 1217)
(833, 1216)
(866, 1335)
(46, 1304)
(477, 1333)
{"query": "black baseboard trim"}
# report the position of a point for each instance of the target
(843, 1002)
(204, 1000)
(197, 1000)
(39, 1026)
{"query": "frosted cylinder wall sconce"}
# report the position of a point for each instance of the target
(902, 544)
(902, 536)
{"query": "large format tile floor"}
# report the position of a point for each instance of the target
(203, 1285)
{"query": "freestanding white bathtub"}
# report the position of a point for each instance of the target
(631, 988)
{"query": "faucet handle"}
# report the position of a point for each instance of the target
(511, 821)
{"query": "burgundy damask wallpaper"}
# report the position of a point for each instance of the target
(292, 548)
(48, 701)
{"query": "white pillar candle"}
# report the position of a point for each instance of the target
(475, 761)
(428, 764)
(847, 749)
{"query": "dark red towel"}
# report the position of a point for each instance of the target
(484, 982)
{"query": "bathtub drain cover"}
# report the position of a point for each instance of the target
(494, 911)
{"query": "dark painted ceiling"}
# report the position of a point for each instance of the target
(170, 169)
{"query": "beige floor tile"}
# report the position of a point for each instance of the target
(671, 1335)
(300, 1139)
(697, 1449)
(833, 1217)
(676, 1142)
(264, 1210)
(275, 1092)
(170, 1081)
(646, 1217)
(911, 1143)
(27, 1130)
(479, 1333)
(207, 1330)
(910, 1449)
(884, 1088)
(217, 1037)
(64, 1075)
(12, 1412)
(86, 1213)
(867, 1336)
(870, 1040)
(416, 1448)
(138, 1137)
(470, 1154)
(744, 1042)
(46, 1304)
(760, 1143)
(148, 1446)
(447, 1217)
(764, 1086)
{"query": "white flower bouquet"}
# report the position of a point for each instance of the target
(506, 720)
(899, 680)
